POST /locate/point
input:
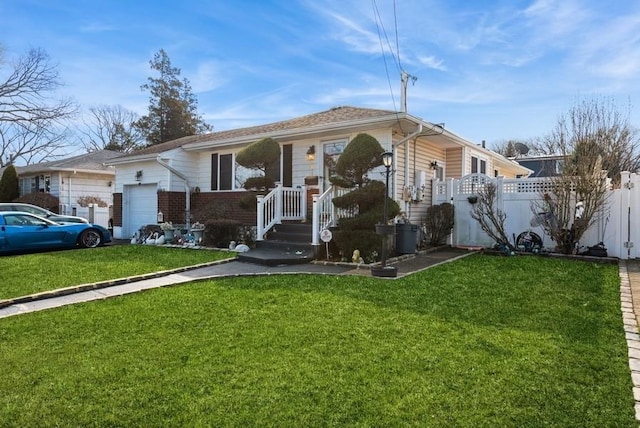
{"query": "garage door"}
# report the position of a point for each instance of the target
(140, 206)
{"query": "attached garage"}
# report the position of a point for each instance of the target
(139, 207)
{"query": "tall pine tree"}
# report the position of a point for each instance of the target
(9, 184)
(173, 109)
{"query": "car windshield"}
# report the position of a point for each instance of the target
(25, 219)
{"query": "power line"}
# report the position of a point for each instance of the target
(380, 26)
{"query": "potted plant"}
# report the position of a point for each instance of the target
(167, 229)
(197, 229)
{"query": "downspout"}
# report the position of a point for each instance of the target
(187, 189)
(406, 158)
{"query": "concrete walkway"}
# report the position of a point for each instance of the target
(102, 290)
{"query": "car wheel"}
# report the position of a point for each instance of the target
(90, 238)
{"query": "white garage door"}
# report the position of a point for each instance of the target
(140, 206)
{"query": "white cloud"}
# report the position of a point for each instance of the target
(207, 77)
(432, 62)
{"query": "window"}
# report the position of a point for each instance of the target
(27, 185)
(478, 165)
(221, 170)
(227, 174)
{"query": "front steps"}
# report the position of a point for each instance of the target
(286, 244)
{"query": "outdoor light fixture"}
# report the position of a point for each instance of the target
(434, 164)
(385, 229)
(387, 160)
(139, 175)
(311, 153)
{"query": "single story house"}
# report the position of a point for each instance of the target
(168, 181)
(72, 178)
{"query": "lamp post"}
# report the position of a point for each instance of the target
(385, 230)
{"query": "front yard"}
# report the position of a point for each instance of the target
(483, 341)
(21, 275)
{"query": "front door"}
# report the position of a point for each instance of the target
(331, 152)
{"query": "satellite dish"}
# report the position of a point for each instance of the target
(522, 149)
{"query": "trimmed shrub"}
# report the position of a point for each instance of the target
(85, 201)
(367, 242)
(360, 156)
(41, 199)
(219, 232)
(438, 223)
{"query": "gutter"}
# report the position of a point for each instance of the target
(187, 189)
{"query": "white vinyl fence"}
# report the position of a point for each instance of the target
(617, 226)
(95, 214)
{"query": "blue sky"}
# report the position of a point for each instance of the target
(489, 69)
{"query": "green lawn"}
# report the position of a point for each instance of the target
(481, 342)
(21, 275)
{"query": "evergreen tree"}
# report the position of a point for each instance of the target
(9, 186)
(173, 107)
(367, 196)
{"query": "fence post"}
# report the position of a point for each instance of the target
(500, 193)
(449, 191)
(303, 203)
(315, 222)
(279, 205)
(260, 218)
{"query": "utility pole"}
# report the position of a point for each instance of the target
(404, 78)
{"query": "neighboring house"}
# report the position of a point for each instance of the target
(542, 166)
(71, 178)
(164, 181)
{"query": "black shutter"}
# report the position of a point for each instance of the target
(287, 165)
(226, 171)
(214, 171)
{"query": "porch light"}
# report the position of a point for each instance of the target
(311, 153)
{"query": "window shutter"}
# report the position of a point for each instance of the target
(214, 171)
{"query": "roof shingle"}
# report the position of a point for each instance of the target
(335, 115)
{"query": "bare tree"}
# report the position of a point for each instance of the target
(568, 206)
(598, 123)
(30, 118)
(490, 218)
(31, 143)
(511, 148)
(111, 128)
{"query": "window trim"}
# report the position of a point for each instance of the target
(479, 163)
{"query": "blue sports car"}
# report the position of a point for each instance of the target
(23, 232)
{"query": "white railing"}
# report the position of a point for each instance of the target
(282, 203)
(325, 214)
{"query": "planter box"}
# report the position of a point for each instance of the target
(384, 271)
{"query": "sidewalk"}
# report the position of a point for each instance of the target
(630, 305)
